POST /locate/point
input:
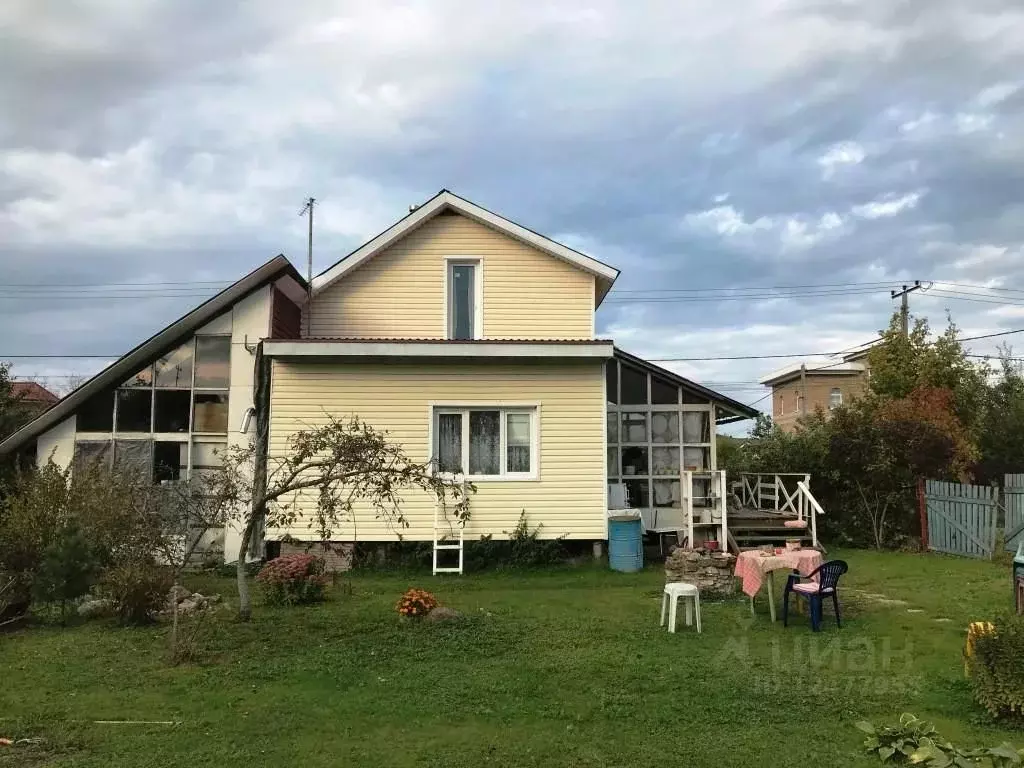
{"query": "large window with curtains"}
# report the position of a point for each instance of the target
(485, 442)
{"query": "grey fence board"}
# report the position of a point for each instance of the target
(1013, 500)
(961, 518)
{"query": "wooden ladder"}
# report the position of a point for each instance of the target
(441, 547)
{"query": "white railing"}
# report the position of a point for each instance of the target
(778, 493)
(808, 500)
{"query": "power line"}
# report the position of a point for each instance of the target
(754, 287)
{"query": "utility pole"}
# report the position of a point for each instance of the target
(803, 389)
(905, 304)
(308, 209)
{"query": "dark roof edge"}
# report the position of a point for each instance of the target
(741, 410)
(277, 267)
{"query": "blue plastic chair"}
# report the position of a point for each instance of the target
(814, 590)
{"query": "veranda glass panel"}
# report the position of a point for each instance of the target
(175, 368)
(697, 459)
(666, 461)
(663, 392)
(210, 412)
(696, 427)
(143, 378)
(634, 428)
(666, 493)
(134, 410)
(170, 461)
(634, 386)
(96, 414)
(611, 372)
(213, 361)
(665, 427)
(634, 460)
(638, 494)
(134, 457)
(92, 452)
(170, 411)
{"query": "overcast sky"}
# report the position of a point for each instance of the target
(694, 145)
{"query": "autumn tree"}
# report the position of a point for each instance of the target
(901, 364)
(333, 468)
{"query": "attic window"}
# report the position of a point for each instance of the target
(463, 300)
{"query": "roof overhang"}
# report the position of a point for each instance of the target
(737, 411)
(794, 371)
(306, 349)
(445, 200)
(278, 271)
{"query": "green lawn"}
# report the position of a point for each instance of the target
(559, 668)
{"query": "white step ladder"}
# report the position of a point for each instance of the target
(439, 547)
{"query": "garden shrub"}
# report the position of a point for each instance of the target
(68, 569)
(523, 549)
(138, 588)
(416, 603)
(996, 669)
(293, 580)
(913, 741)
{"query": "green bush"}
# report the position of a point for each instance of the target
(293, 580)
(524, 548)
(68, 569)
(996, 670)
(915, 742)
(138, 588)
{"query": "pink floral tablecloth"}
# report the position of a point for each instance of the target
(752, 566)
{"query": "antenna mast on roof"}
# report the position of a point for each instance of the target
(308, 208)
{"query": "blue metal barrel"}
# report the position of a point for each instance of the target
(625, 543)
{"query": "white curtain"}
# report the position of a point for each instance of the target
(484, 442)
(449, 442)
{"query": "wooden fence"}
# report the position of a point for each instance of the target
(1013, 503)
(961, 518)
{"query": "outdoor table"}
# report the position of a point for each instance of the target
(756, 568)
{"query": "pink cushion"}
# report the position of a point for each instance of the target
(795, 524)
(809, 587)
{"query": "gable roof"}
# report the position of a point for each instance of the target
(739, 411)
(168, 338)
(445, 200)
(33, 392)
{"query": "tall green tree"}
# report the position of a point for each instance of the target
(1001, 436)
(901, 364)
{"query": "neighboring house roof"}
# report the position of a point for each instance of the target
(168, 338)
(792, 371)
(739, 410)
(33, 392)
(445, 200)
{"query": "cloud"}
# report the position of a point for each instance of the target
(887, 206)
(838, 155)
(771, 143)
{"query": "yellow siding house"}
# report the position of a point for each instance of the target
(469, 338)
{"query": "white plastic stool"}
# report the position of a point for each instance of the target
(673, 592)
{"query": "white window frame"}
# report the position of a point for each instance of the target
(531, 409)
(832, 403)
(478, 293)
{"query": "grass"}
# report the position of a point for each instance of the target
(552, 668)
